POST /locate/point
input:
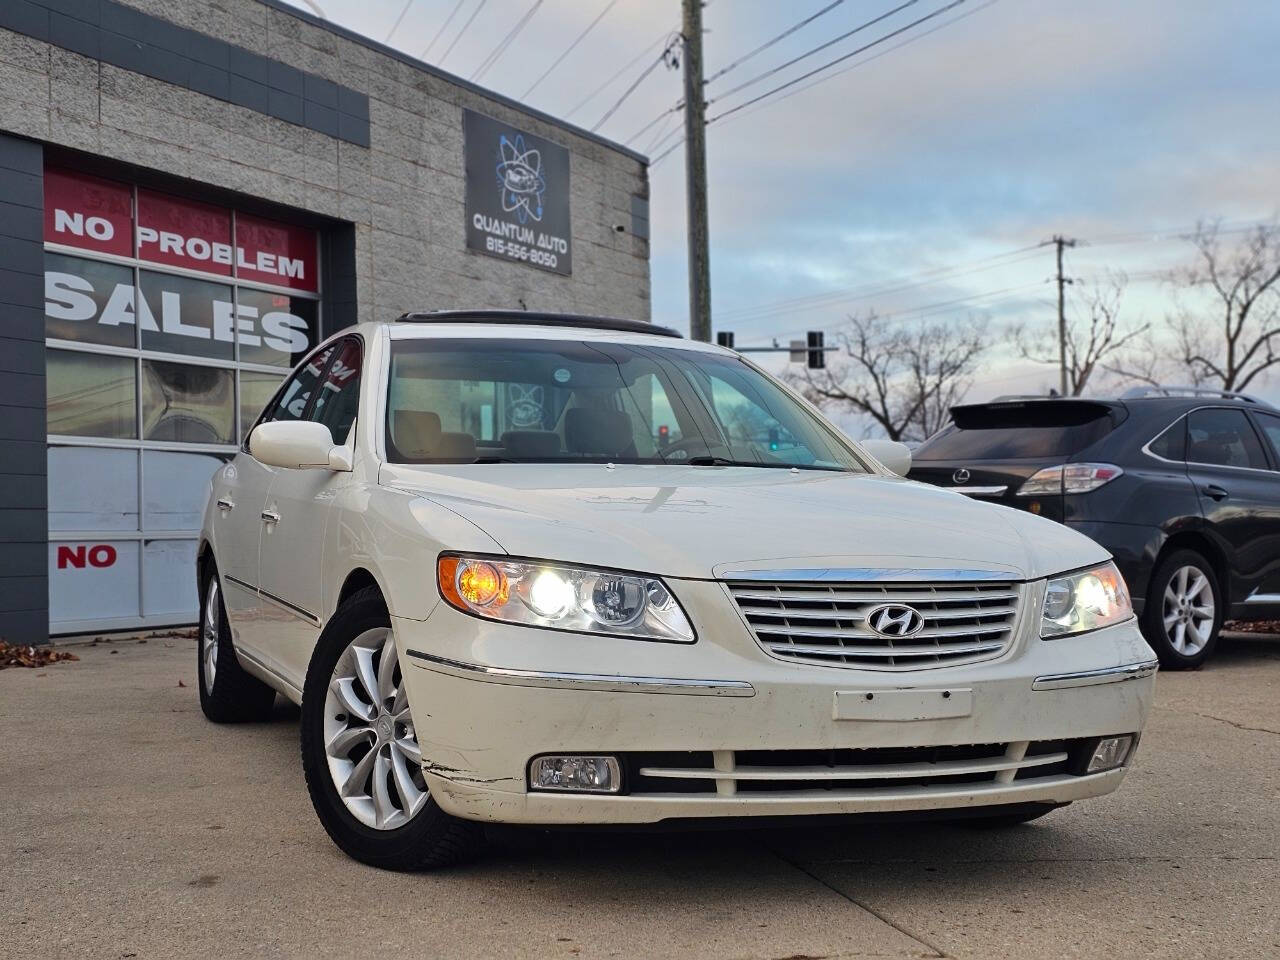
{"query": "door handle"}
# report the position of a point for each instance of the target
(226, 503)
(1214, 492)
(270, 516)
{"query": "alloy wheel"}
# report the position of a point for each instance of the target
(209, 631)
(370, 742)
(1188, 611)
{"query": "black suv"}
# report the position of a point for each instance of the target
(1181, 485)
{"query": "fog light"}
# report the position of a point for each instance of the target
(579, 774)
(1111, 752)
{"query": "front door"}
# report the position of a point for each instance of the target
(1239, 494)
(297, 511)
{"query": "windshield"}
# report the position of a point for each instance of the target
(555, 401)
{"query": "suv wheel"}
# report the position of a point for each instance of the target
(360, 749)
(227, 693)
(1184, 611)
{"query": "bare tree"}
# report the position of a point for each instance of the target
(903, 376)
(1237, 339)
(1089, 341)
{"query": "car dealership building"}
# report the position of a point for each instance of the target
(193, 194)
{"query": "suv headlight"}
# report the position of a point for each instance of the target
(560, 597)
(1085, 600)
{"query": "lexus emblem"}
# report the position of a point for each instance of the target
(961, 476)
(895, 620)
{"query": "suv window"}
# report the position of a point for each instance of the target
(1040, 429)
(1223, 437)
(1172, 444)
(1270, 424)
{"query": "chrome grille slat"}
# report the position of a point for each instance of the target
(826, 622)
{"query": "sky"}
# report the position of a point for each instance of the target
(918, 177)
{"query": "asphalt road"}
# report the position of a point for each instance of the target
(133, 828)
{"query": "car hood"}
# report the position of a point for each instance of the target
(701, 522)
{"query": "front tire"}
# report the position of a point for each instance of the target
(1184, 611)
(227, 693)
(360, 752)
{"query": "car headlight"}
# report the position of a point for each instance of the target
(582, 599)
(1085, 600)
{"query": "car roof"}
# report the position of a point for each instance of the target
(539, 318)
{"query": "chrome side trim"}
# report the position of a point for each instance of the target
(871, 575)
(239, 583)
(1256, 597)
(1088, 678)
(297, 611)
(979, 491)
(604, 683)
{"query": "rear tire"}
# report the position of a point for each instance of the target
(359, 731)
(227, 693)
(1184, 611)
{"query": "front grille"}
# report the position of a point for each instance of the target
(826, 622)
(847, 771)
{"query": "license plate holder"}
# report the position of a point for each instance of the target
(901, 706)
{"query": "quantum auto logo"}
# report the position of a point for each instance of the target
(520, 178)
(895, 620)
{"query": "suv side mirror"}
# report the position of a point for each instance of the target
(297, 445)
(894, 455)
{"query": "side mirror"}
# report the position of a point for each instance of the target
(297, 445)
(894, 455)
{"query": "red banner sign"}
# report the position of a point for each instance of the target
(92, 214)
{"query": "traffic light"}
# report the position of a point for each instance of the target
(664, 435)
(724, 338)
(817, 359)
(773, 438)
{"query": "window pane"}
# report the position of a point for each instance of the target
(275, 328)
(88, 301)
(292, 402)
(166, 573)
(1172, 444)
(177, 487)
(340, 393)
(187, 404)
(90, 395)
(93, 580)
(93, 488)
(256, 391)
(1223, 438)
(181, 315)
(1270, 424)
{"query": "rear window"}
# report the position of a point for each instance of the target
(1026, 431)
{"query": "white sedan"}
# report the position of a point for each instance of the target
(564, 570)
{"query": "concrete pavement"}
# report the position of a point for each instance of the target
(133, 828)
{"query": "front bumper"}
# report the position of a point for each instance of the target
(487, 698)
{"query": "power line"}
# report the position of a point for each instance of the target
(818, 49)
(769, 43)
(853, 53)
(897, 46)
(443, 27)
(560, 59)
(396, 26)
(494, 57)
(883, 53)
(621, 70)
(662, 58)
(471, 19)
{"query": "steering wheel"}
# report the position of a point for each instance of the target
(691, 445)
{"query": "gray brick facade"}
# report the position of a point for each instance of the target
(403, 192)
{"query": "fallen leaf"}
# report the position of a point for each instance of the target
(12, 655)
(181, 684)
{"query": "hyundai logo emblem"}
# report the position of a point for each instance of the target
(895, 620)
(961, 476)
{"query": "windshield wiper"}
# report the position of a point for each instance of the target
(708, 461)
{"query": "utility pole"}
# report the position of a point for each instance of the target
(1060, 242)
(695, 161)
